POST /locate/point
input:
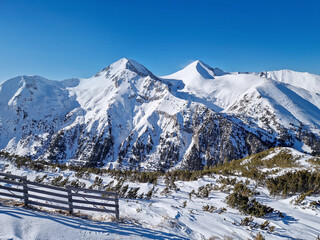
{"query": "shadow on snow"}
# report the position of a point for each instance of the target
(86, 225)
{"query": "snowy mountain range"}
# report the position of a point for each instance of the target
(126, 117)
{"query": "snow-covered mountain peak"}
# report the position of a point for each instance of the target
(196, 74)
(32, 79)
(23, 87)
(203, 67)
(123, 79)
(126, 65)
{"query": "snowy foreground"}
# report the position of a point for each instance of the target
(170, 215)
(19, 223)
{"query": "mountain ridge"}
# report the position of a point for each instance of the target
(126, 117)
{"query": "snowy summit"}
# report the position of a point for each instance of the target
(126, 117)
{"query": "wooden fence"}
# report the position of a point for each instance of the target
(67, 198)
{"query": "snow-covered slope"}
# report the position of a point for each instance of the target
(125, 116)
(274, 104)
(31, 106)
(19, 223)
(291, 97)
(304, 80)
(176, 209)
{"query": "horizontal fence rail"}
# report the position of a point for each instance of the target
(66, 199)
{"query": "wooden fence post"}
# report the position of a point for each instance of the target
(70, 203)
(117, 206)
(70, 200)
(25, 191)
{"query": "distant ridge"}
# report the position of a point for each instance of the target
(126, 117)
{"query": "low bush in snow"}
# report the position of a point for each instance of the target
(294, 182)
(240, 199)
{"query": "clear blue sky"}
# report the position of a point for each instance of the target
(59, 39)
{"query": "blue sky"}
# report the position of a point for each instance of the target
(61, 39)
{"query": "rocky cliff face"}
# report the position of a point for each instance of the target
(125, 117)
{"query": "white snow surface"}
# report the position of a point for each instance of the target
(196, 74)
(292, 96)
(165, 216)
(304, 80)
(19, 223)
